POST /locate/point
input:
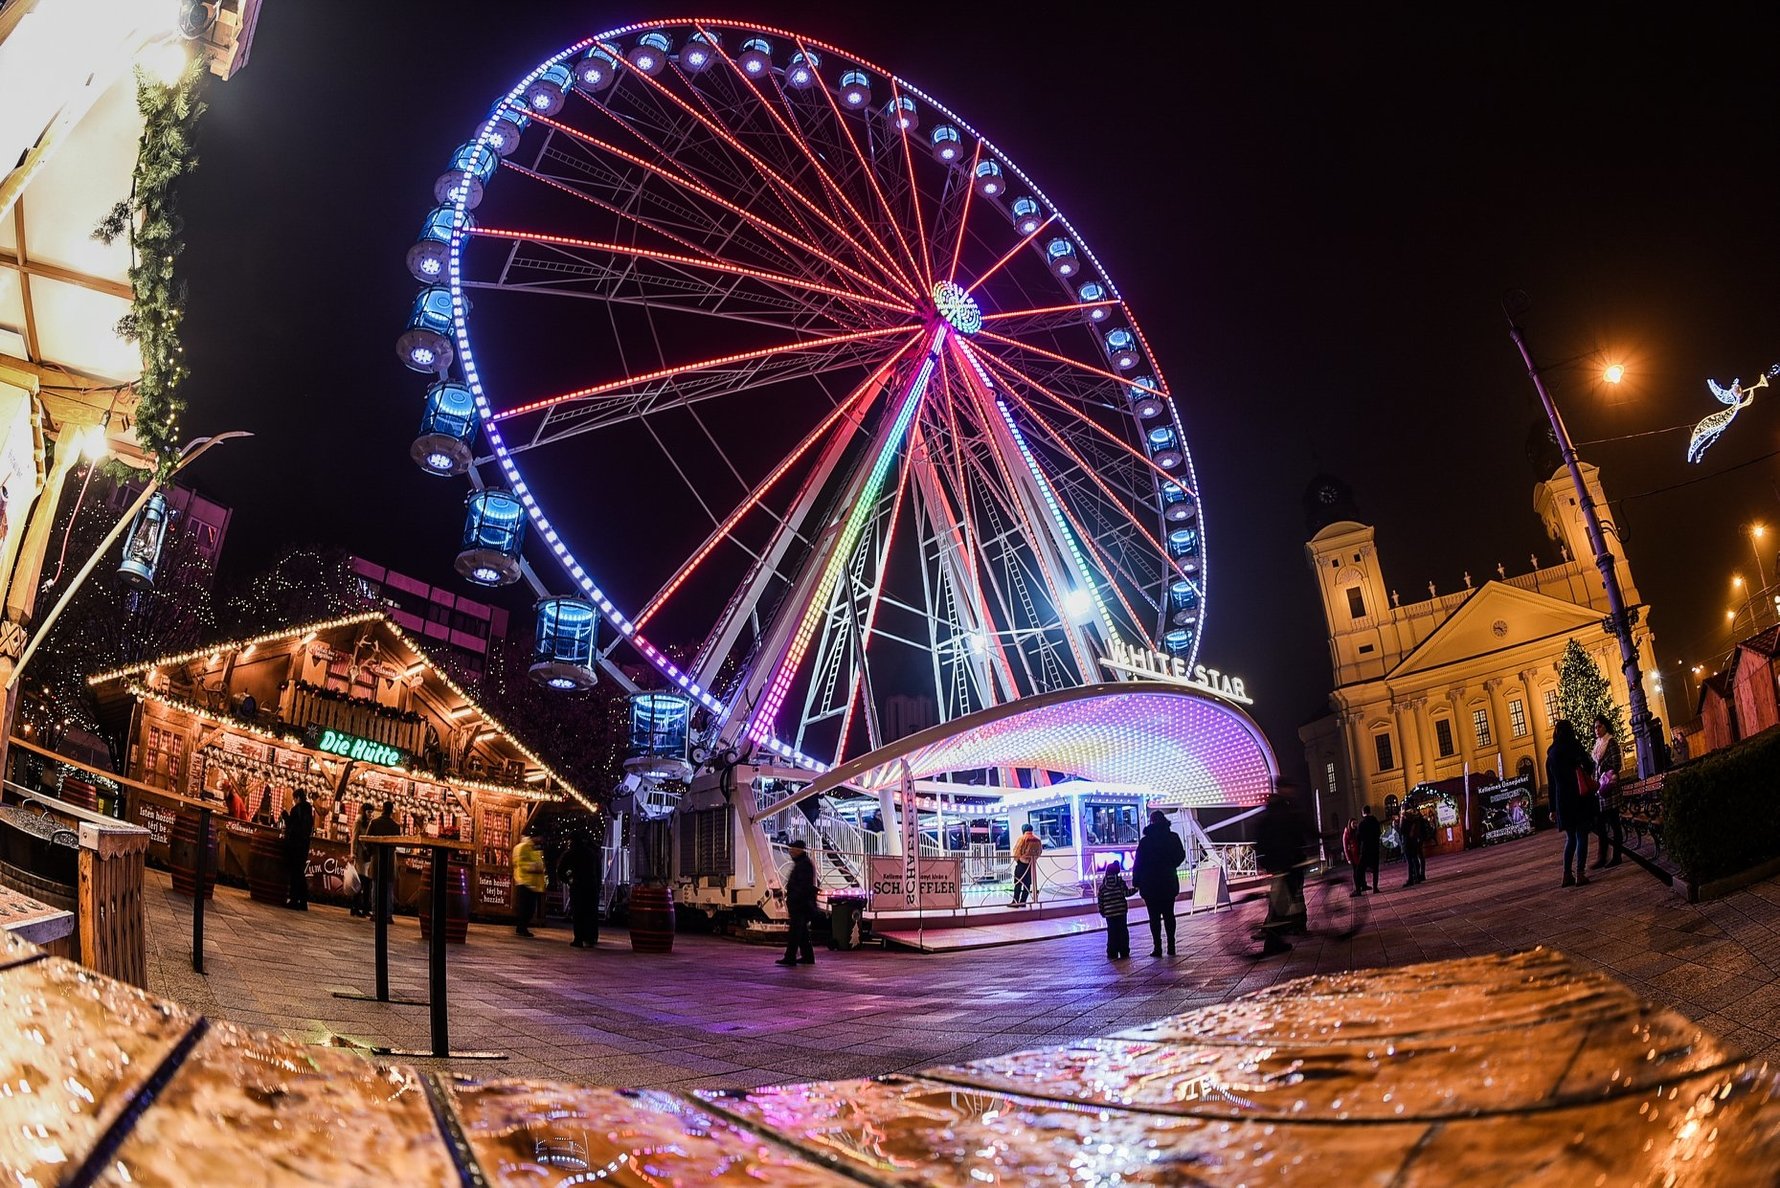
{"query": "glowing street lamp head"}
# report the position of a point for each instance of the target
(1757, 531)
(1615, 372)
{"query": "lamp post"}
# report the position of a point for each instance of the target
(1756, 532)
(1619, 618)
(189, 454)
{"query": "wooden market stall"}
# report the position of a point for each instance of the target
(351, 711)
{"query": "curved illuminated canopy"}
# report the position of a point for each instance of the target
(1189, 747)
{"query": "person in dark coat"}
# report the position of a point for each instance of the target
(582, 869)
(1370, 832)
(1280, 842)
(299, 826)
(1569, 777)
(1413, 828)
(800, 902)
(1153, 872)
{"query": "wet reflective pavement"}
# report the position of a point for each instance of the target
(1525, 1068)
(719, 1014)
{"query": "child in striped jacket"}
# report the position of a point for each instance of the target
(1113, 896)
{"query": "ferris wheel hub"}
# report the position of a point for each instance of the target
(957, 307)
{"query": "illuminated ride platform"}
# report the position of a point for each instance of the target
(1084, 767)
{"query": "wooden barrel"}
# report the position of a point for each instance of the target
(651, 918)
(182, 853)
(266, 880)
(457, 902)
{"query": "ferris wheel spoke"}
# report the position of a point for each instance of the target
(693, 186)
(925, 260)
(851, 407)
(650, 397)
(964, 215)
(869, 169)
(1125, 382)
(783, 186)
(794, 129)
(690, 262)
(1075, 308)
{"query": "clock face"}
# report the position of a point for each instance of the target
(1328, 494)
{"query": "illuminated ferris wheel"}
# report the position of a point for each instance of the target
(775, 357)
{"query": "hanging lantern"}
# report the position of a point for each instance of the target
(562, 644)
(660, 734)
(142, 547)
(494, 530)
(426, 343)
(447, 428)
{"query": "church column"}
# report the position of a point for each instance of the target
(1535, 716)
(1463, 735)
(1498, 720)
(1359, 764)
(1414, 760)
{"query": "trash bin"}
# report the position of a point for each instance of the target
(844, 915)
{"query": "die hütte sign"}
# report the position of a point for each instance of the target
(1176, 671)
(365, 750)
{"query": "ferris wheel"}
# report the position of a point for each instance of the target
(781, 363)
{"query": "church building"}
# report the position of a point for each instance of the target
(1430, 688)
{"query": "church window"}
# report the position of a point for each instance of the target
(1480, 724)
(1329, 773)
(1443, 737)
(1356, 602)
(1381, 743)
(1517, 718)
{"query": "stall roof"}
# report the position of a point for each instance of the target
(1187, 746)
(121, 684)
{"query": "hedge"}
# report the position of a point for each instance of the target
(1721, 813)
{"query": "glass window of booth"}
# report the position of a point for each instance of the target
(1110, 824)
(1052, 826)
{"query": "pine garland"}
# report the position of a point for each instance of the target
(1583, 693)
(150, 216)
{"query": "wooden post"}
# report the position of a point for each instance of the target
(198, 898)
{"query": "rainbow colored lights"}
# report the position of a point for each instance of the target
(760, 729)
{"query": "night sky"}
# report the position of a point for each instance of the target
(1314, 216)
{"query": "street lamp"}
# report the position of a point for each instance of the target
(1619, 619)
(188, 455)
(1756, 532)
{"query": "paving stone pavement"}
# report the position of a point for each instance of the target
(718, 1013)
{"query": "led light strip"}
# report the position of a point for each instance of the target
(761, 727)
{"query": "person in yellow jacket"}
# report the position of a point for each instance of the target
(529, 880)
(1026, 852)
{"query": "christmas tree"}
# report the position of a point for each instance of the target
(1583, 694)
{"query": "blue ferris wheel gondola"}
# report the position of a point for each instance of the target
(447, 430)
(425, 344)
(563, 640)
(659, 746)
(494, 531)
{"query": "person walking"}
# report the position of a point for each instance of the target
(362, 854)
(1370, 835)
(1415, 831)
(529, 880)
(1350, 850)
(299, 827)
(1026, 852)
(582, 869)
(1606, 758)
(1155, 874)
(1114, 904)
(1279, 851)
(1569, 778)
(800, 905)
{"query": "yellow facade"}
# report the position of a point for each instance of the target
(1428, 689)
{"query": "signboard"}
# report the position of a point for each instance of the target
(158, 820)
(1160, 666)
(937, 888)
(910, 876)
(494, 889)
(1507, 809)
(352, 746)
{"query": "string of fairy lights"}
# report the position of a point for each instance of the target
(307, 634)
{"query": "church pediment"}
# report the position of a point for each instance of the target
(1495, 618)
